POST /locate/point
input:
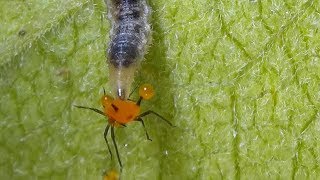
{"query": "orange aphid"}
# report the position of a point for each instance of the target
(124, 111)
(120, 112)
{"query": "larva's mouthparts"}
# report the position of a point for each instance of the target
(121, 79)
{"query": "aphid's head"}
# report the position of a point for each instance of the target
(106, 101)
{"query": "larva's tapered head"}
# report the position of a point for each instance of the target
(121, 79)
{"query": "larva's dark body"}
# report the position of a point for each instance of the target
(128, 41)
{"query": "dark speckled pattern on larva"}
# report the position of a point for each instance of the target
(129, 38)
(130, 31)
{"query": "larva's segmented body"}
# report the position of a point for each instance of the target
(129, 39)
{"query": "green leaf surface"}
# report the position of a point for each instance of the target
(239, 79)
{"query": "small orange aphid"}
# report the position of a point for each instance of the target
(111, 175)
(120, 112)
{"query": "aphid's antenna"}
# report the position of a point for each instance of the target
(115, 146)
(104, 91)
(105, 138)
(139, 101)
(93, 109)
(134, 89)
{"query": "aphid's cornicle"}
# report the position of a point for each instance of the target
(129, 38)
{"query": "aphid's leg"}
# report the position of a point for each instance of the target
(105, 138)
(93, 109)
(152, 112)
(144, 127)
(115, 146)
(139, 101)
(133, 91)
(104, 91)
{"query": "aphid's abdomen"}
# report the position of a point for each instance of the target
(129, 38)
